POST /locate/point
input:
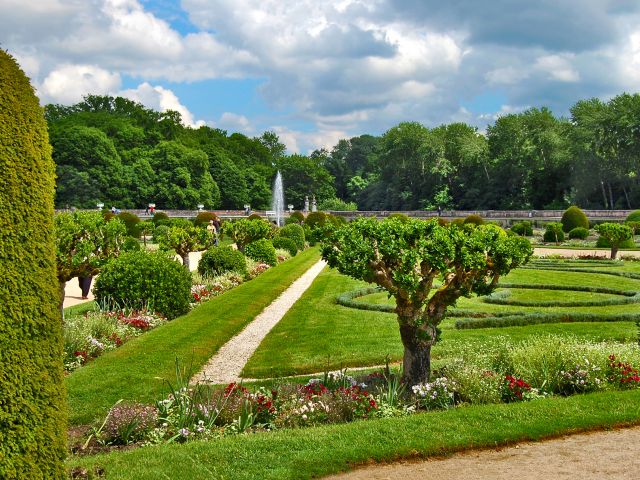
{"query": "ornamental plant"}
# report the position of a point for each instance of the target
(244, 231)
(141, 280)
(32, 397)
(435, 395)
(615, 234)
(406, 258)
(514, 389)
(574, 217)
(262, 251)
(294, 232)
(554, 233)
(220, 260)
(622, 374)
(185, 239)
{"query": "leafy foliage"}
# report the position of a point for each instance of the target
(244, 231)
(553, 233)
(131, 222)
(223, 259)
(33, 401)
(572, 218)
(405, 258)
(262, 250)
(186, 239)
(615, 234)
(295, 232)
(285, 243)
(145, 280)
(523, 229)
(579, 232)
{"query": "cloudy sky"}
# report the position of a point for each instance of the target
(315, 71)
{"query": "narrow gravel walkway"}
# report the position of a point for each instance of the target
(225, 366)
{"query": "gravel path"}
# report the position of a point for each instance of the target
(587, 456)
(225, 366)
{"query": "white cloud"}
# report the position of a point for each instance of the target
(506, 75)
(305, 142)
(235, 123)
(69, 83)
(161, 99)
(558, 67)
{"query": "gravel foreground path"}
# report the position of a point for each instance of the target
(588, 456)
(225, 366)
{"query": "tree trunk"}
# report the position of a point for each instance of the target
(604, 195)
(416, 363)
(61, 286)
(610, 196)
(626, 196)
(614, 253)
(185, 260)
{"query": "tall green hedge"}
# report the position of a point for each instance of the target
(32, 398)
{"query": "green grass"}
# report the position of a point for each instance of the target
(314, 452)
(137, 369)
(80, 309)
(317, 334)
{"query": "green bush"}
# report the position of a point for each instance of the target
(130, 244)
(315, 219)
(160, 233)
(295, 232)
(219, 260)
(160, 218)
(203, 218)
(286, 244)
(474, 219)
(141, 279)
(262, 251)
(295, 217)
(603, 242)
(32, 398)
(572, 218)
(254, 216)
(524, 228)
(244, 231)
(399, 216)
(337, 205)
(132, 222)
(553, 233)
(633, 216)
(579, 232)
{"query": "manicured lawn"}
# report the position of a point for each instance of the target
(137, 370)
(313, 452)
(317, 334)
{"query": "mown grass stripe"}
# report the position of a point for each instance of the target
(136, 370)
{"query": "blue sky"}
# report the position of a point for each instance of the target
(318, 71)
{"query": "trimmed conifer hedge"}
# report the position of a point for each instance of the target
(32, 398)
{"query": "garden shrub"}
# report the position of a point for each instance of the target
(294, 232)
(130, 244)
(262, 251)
(128, 422)
(145, 280)
(399, 216)
(524, 228)
(315, 219)
(443, 222)
(203, 218)
(160, 233)
(286, 244)
(160, 218)
(635, 226)
(574, 217)
(295, 217)
(633, 216)
(132, 222)
(254, 216)
(244, 231)
(474, 219)
(603, 242)
(456, 221)
(220, 260)
(553, 233)
(579, 233)
(32, 398)
(108, 215)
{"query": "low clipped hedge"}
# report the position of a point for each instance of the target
(286, 244)
(579, 233)
(294, 232)
(219, 260)
(145, 280)
(521, 320)
(262, 251)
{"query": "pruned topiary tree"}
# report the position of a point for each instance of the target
(615, 234)
(405, 258)
(574, 217)
(32, 397)
(184, 239)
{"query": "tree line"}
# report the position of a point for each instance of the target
(114, 150)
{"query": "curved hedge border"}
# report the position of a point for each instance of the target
(501, 298)
(474, 319)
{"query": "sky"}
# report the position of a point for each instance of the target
(317, 71)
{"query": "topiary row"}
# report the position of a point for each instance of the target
(521, 320)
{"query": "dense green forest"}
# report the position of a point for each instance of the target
(116, 151)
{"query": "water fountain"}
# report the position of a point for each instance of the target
(277, 200)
